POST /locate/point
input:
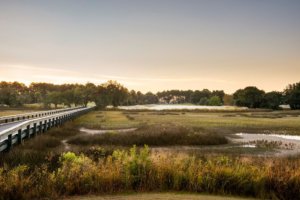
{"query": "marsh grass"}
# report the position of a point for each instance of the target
(137, 170)
(224, 122)
(108, 120)
(40, 149)
(153, 135)
(130, 117)
(38, 170)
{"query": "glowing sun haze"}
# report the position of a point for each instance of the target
(152, 45)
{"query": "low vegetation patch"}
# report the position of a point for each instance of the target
(153, 135)
(43, 148)
(106, 120)
(138, 170)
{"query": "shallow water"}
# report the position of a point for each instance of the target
(95, 131)
(276, 137)
(289, 144)
(249, 145)
(179, 107)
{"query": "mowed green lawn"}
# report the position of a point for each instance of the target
(156, 196)
(282, 122)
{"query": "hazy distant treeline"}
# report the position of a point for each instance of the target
(15, 94)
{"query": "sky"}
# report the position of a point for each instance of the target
(152, 45)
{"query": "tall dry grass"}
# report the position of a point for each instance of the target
(153, 135)
(138, 170)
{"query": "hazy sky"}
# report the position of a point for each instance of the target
(152, 45)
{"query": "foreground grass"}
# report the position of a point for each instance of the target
(41, 149)
(156, 196)
(139, 171)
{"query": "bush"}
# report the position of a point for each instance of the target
(214, 101)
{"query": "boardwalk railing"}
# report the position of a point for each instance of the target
(20, 117)
(29, 128)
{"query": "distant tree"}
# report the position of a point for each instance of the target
(272, 100)
(88, 93)
(206, 93)
(13, 94)
(220, 94)
(54, 98)
(198, 95)
(102, 98)
(188, 95)
(228, 100)
(67, 97)
(203, 101)
(78, 92)
(292, 95)
(40, 91)
(132, 98)
(150, 98)
(139, 97)
(214, 101)
(250, 97)
(195, 97)
(111, 93)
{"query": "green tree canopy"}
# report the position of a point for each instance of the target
(292, 95)
(250, 97)
(272, 100)
(214, 101)
(111, 93)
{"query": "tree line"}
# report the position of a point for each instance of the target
(15, 94)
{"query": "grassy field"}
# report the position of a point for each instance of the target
(224, 122)
(5, 111)
(157, 196)
(13, 112)
(106, 120)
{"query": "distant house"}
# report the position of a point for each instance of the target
(172, 99)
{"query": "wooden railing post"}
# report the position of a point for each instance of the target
(45, 126)
(9, 142)
(41, 127)
(20, 136)
(34, 129)
(49, 124)
(28, 131)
